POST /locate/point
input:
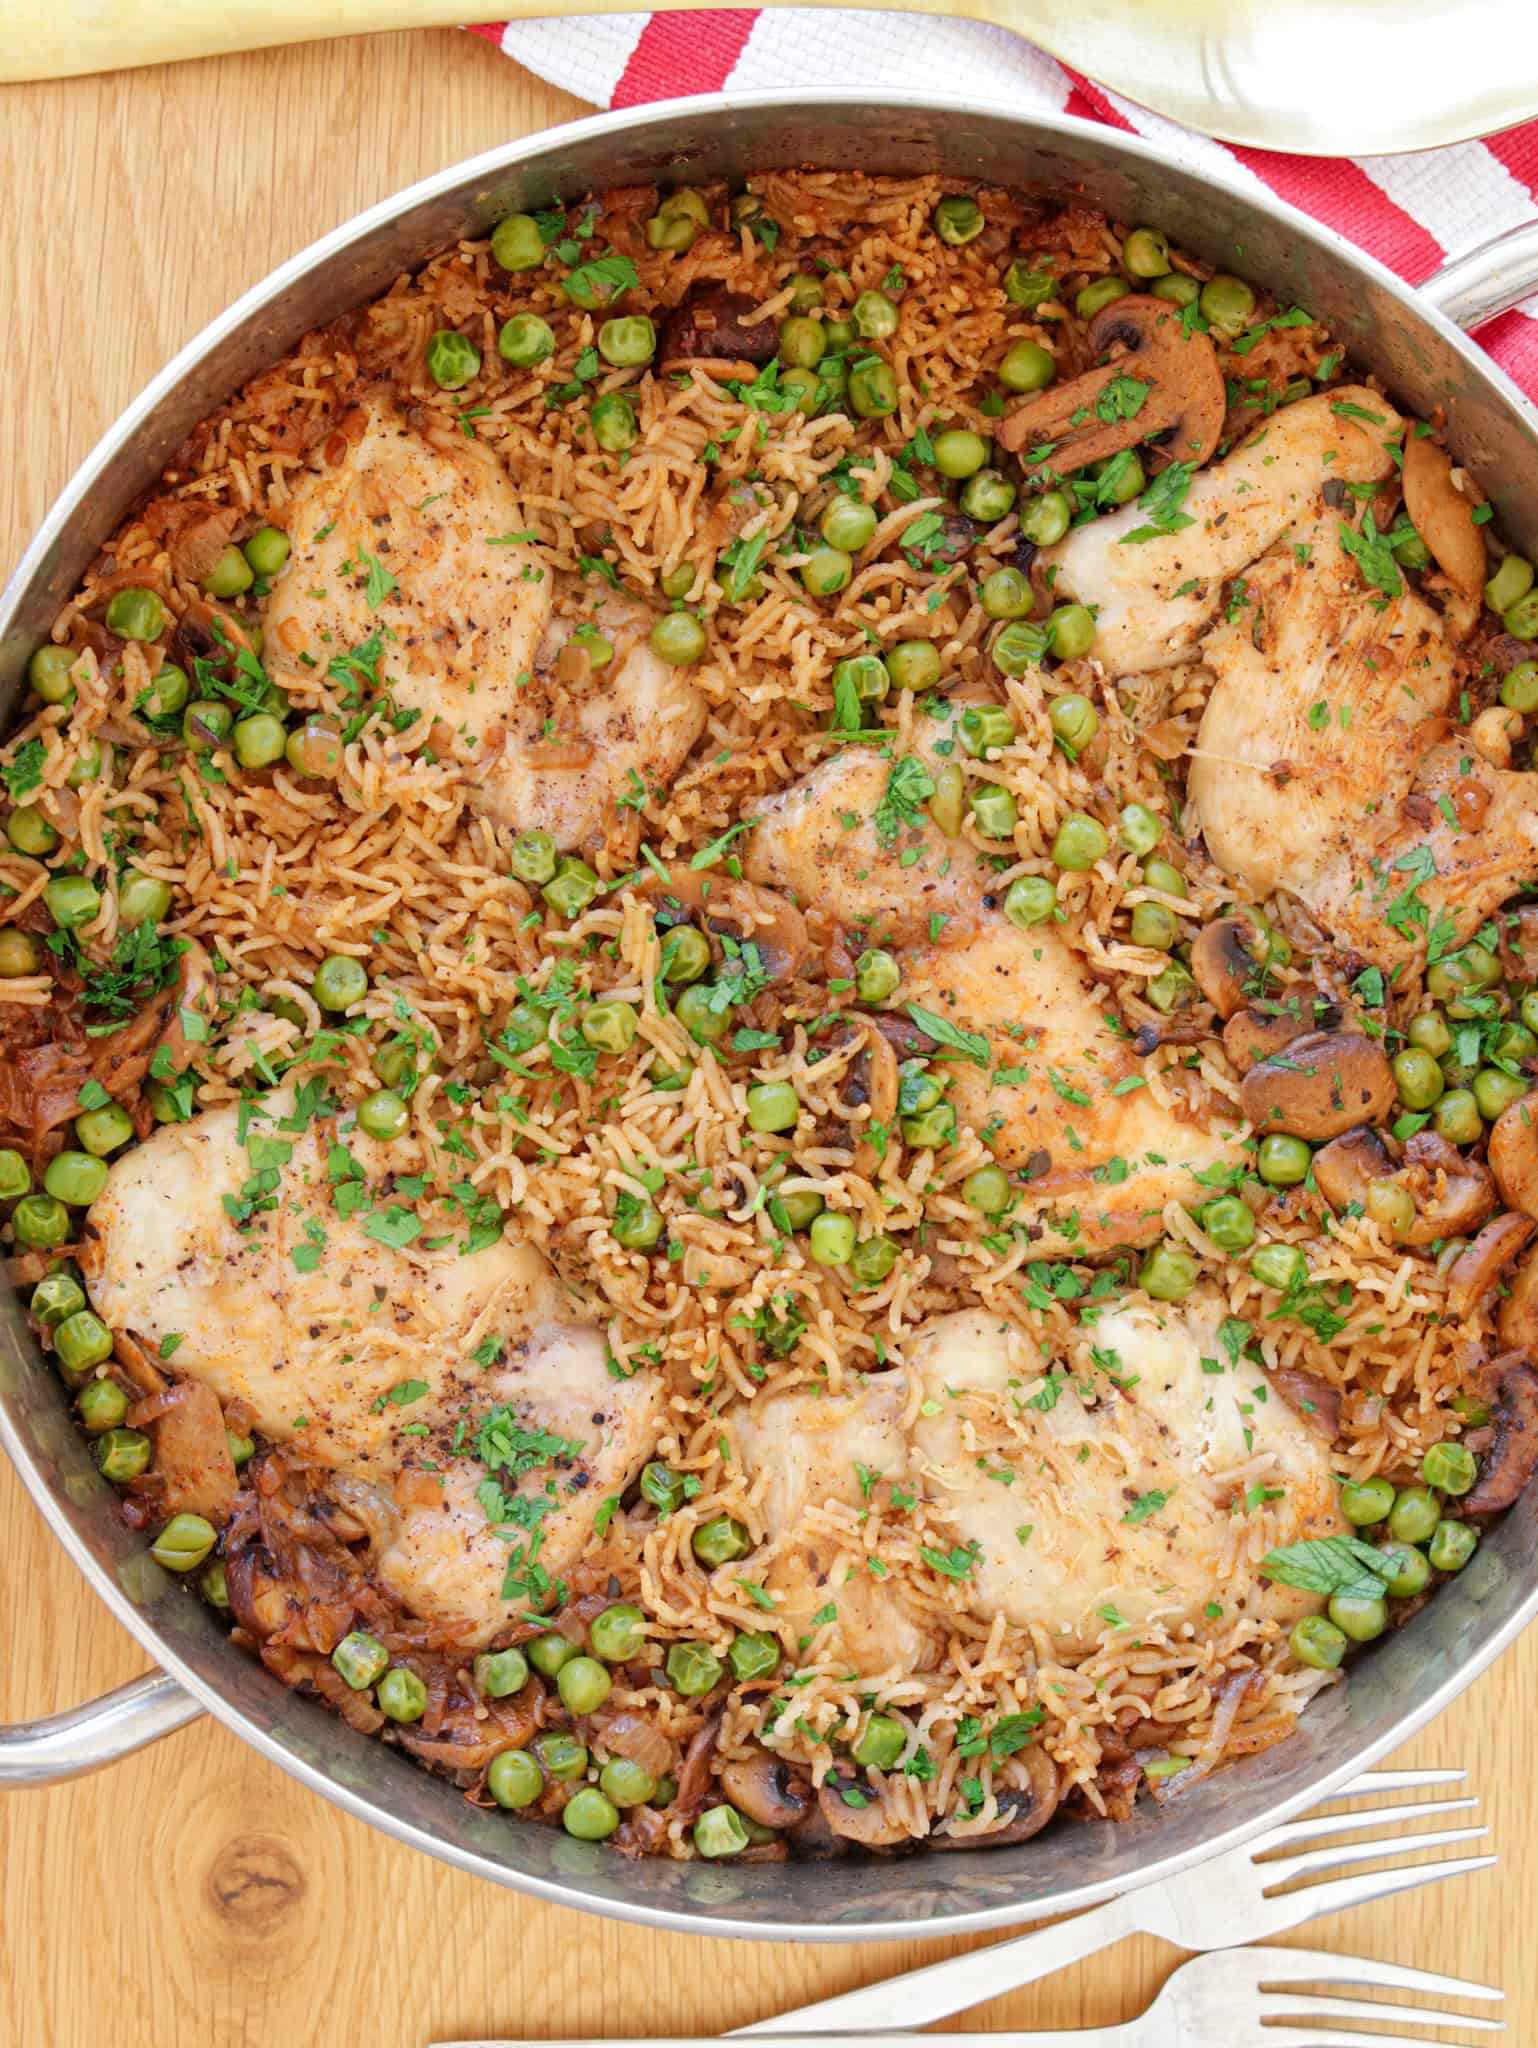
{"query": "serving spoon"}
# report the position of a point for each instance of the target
(1316, 77)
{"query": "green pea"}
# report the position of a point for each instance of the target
(102, 1405)
(610, 1026)
(995, 811)
(533, 857)
(803, 343)
(1495, 1091)
(168, 693)
(719, 1831)
(677, 639)
(1045, 519)
(848, 524)
(184, 1542)
(1365, 1502)
(1227, 303)
(988, 496)
(959, 453)
(1512, 580)
(1075, 721)
(72, 901)
(81, 1341)
(85, 767)
(49, 673)
(1429, 1033)
(1414, 1515)
(692, 1669)
(985, 728)
(1471, 970)
(76, 1178)
(1408, 1572)
(1519, 687)
(1154, 926)
(142, 899)
(618, 1633)
(958, 219)
(135, 614)
(753, 1655)
(826, 571)
(875, 317)
(873, 1258)
(122, 1454)
(230, 575)
(1146, 253)
(699, 1012)
(625, 1783)
(881, 1743)
(867, 673)
(20, 953)
(315, 747)
(773, 1106)
(1094, 298)
(1007, 594)
(1071, 632)
(1417, 1077)
(1119, 479)
(721, 1540)
(1031, 900)
(517, 244)
(1283, 1162)
(872, 388)
(614, 423)
(548, 1653)
(1079, 842)
(806, 291)
(514, 1779)
(57, 1296)
(831, 1239)
(1450, 1467)
(914, 664)
(1177, 288)
(401, 1695)
(1281, 1266)
(339, 982)
(1452, 1545)
(1027, 366)
(948, 805)
(1166, 878)
(360, 1658)
(1168, 1273)
(838, 334)
(987, 1190)
(662, 1487)
(242, 1448)
(1359, 1616)
(1410, 550)
(1391, 1207)
(637, 1224)
(383, 1115)
(500, 1673)
(266, 550)
(525, 340)
(1172, 988)
(929, 1129)
(917, 1088)
(30, 832)
(563, 1757)
(685, 954)
(876, 976)
(206, 724)
(1230, 1223)
(1317, 1643)
(796, 1209)
(260, 740)
(1456, 1117)
(1514, 1042)
(452, 359)
(583, 1685)
(627, 341)
(573, 885)
(1028, 287)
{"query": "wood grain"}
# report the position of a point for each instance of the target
(196, 1897)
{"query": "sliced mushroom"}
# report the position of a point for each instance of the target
(868, 1823)
(1320, 1085)
(1513, 1156)
(1260, 1030)
(1443, 515)
(1508, 1464)
(746, 909)
(1223, 962)
(1314, 1400)
(1029, 1810)
(1517, 1323)
(1475, 1271)
(767, 1790)
(710, 325)
(1453, 1195)
(1184, 402)
(1519, 942)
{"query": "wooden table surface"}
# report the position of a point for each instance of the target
(196, 1897)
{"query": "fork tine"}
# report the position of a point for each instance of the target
(1317, 2007)
(1293, 1909)
(1283, 1969)
(1343, 1855)
(1309, 1830)
(1372, 1782)
(1311, 2037)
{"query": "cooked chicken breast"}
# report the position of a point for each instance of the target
(1322, 767)
(412, 547)
(377, 1357)
(810, 1448)
(1110, 1495)
(1157, 597)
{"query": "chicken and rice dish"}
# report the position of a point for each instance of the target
(767, 1012)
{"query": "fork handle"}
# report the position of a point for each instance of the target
(914, 2000)
(1133, 2035)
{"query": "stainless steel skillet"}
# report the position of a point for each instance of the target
(1413, 342)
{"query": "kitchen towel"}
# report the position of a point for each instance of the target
(1411, 212)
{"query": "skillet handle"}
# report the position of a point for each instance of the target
(1489, 280)
(87, 1738)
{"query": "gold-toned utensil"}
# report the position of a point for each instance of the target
(1328, 77)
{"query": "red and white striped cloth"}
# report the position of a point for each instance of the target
(1412, 212)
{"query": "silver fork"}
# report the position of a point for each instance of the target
(1233, 1998)
(1216, 1905)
